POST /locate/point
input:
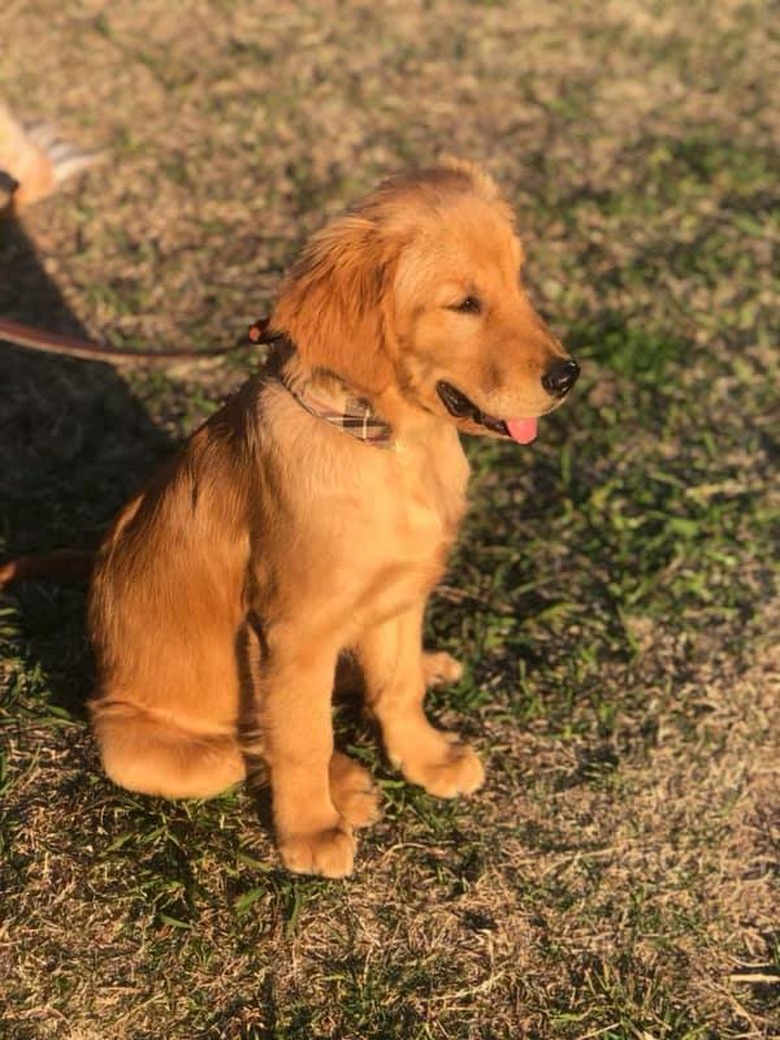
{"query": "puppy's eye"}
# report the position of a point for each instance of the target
(468, 305)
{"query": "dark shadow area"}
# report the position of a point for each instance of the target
(74, 443)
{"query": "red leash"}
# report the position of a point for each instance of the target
(67, 346)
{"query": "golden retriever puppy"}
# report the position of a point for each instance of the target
(314, 513)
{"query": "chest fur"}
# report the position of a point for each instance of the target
(430, 499)
(365, 529)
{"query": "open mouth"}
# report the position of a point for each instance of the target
(460, 407)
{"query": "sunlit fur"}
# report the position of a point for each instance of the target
(227, 589)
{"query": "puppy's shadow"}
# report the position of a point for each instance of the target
(74, 443)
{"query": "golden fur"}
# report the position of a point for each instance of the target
(227, 589)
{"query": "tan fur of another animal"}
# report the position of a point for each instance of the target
(34, 162)
(227, 589)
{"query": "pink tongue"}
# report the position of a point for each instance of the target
(522, 430)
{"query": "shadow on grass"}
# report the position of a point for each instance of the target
(74, 442)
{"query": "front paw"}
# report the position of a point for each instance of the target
(455, 770)
(328, 853)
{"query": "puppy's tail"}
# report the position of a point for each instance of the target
(62, 565)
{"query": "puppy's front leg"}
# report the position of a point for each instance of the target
(298, 737)
(395, 672)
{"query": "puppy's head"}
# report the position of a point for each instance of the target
(419, 288)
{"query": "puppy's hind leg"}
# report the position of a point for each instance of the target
(352, 791)
(157, 755)
(440, 667)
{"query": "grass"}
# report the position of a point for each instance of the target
(614, 593)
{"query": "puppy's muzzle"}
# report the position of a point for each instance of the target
(560, 377)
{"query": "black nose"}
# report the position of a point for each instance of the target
(560, 377)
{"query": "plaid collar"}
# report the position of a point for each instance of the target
(335, 404)
(339, 407)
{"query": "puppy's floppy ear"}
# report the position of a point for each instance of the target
(333, 304)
